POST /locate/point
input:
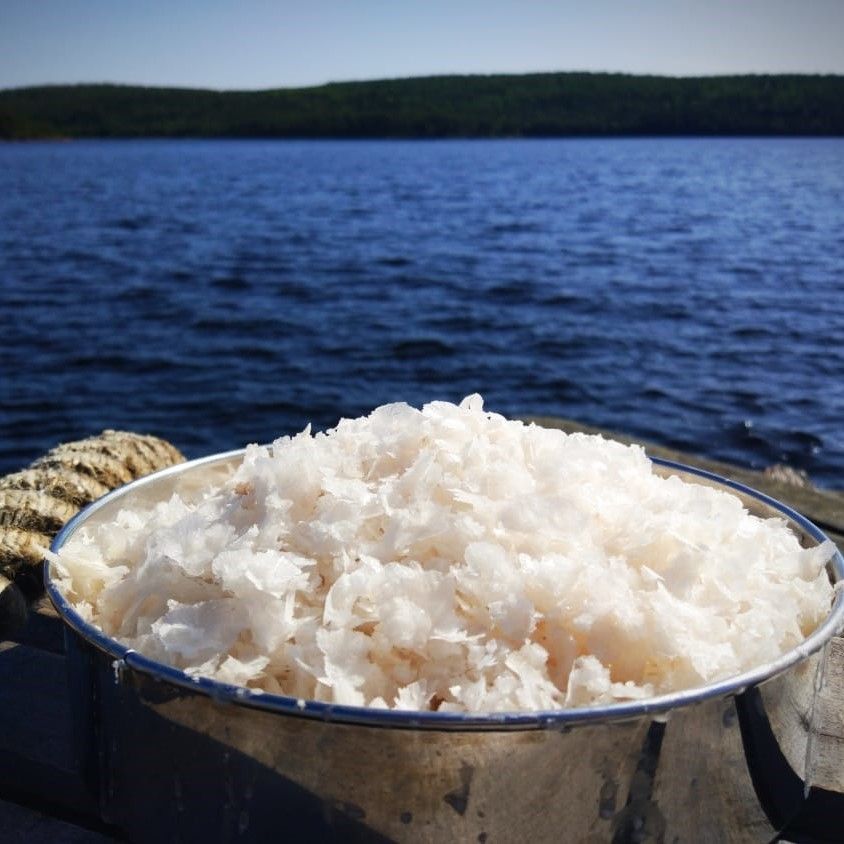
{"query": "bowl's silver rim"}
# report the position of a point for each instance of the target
(559, 718)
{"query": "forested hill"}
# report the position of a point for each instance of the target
(535, 105)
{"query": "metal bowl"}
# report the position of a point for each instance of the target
(171, 757)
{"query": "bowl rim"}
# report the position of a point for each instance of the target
(123, 657)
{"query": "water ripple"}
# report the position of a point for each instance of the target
(685, 290)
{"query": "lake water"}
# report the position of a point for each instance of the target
(690, 291)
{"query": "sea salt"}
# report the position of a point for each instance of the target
(448, 558)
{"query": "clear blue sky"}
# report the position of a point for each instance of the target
(264, 44)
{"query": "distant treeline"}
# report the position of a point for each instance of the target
(534, 105)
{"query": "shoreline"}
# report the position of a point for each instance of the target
(452, 105)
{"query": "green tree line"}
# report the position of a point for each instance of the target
(531, 105)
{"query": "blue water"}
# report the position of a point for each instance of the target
(690, 291)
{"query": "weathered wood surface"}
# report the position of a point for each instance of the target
(24, 825)
(43, 799)
(828, 753)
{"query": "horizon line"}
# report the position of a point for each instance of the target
(107, 84)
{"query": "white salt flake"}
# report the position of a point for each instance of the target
(449, 559)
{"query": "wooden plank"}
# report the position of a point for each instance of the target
(24, 825)
(33, 698)
(43, 628)
(36, 754)
(828, 740)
